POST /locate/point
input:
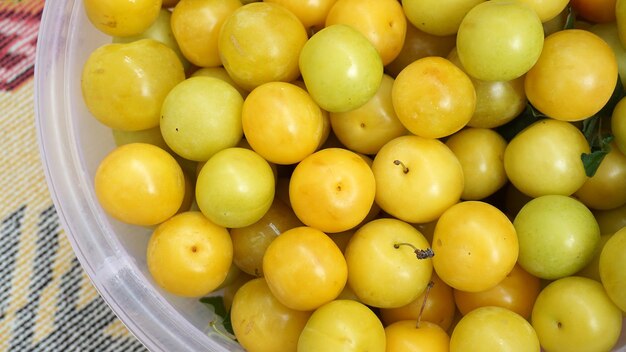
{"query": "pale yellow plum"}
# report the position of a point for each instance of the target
(188, 255)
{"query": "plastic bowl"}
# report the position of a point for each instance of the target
(72, 143)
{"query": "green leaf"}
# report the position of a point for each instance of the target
(529, 116)
(599, 140)
(216, 303)
(228, 324)
(589, 128)
(222, 316)
(591, 161)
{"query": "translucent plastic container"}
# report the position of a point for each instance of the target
(72, 144)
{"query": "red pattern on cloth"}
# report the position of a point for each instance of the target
(18, 42)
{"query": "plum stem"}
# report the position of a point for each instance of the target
(404, 168)
(419, 316)
(213, 324)
(420, 253)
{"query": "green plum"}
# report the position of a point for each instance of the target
(499, 40)
(557, 236)
(235, 187)
(201, 116)
(341, 69)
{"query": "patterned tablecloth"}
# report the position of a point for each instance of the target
(47, 303)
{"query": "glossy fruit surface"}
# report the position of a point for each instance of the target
(610, 267)
(574, 77)
(254, 302)
(122, 17)
(282, 122)
(139, 184)
(575, 314)
(417, 178)
(332, 190)
(407, 336)
(544, 159)
(475, 246)
(261, 42)
(395, 277)
(438, 17)
(304, 268)
(493, 329)
(235, 188)
(440, 105)
(491, 43)
(342, 326)
(311, 13)
(557, 236)
(201, 116)
(188, 255)
(124, 85)
(381, 21)
(341, 69)
(196, 25)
